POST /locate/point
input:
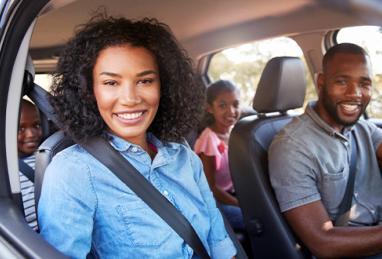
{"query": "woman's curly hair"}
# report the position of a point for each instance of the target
(73, 99)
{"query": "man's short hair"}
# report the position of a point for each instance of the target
(344, 48)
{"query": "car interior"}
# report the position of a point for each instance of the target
(281, 88)
(275, 86)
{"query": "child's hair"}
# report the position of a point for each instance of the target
(217, 87)
(181, 100)
(213, 91)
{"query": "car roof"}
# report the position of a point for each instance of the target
(204, 26)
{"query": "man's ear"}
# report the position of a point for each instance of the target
(320, 82)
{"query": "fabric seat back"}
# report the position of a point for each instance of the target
(281, 88)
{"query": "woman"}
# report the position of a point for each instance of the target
(129, 82)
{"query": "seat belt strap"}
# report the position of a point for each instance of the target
(26, 170)
(115, 162)
(345, 205)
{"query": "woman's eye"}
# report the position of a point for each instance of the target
(110, 83)
(222, 105)
(146, 81)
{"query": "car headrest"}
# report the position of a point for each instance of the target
(282, 85)
(28, 76)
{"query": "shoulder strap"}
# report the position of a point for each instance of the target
(344, 208)
(113, 160)
(26, 170)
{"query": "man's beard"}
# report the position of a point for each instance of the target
(331, 109)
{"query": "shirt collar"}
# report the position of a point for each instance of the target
(122, 145)
(309, 110)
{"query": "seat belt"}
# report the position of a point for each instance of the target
(26, 170)
(39, 96)
(343, 214)
(115, 162)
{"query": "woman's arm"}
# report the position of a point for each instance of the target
(218, 239)
(67, 206)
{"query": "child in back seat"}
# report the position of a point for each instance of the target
(28, 139)
(222, 112)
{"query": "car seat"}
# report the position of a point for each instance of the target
(281, 88)
(46, 151)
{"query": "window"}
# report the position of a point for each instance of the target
(44, 80)
(244, 64)
(370, 38)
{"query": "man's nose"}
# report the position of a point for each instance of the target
(354, 89)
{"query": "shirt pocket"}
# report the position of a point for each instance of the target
(143, 226)
(333, 186)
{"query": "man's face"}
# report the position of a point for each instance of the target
(344, 90)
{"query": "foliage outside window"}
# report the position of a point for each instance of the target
(370, 38)
(244, 64)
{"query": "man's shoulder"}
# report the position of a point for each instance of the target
(295, 131)
(365, 125)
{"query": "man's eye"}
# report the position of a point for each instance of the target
(21, 130)
(341, 81)
(365, 84)
(222, 105)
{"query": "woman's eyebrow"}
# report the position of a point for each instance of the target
(147, 72)
(109, 74)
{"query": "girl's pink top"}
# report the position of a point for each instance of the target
(210, 144)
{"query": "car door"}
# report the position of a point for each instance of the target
(17, 240)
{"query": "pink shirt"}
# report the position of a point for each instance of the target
(210, 144)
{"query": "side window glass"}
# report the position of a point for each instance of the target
(244, 64)
(44, 80)
(370, 38)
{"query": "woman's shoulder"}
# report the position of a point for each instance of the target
(71, 159)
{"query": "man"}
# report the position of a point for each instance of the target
(309, 161)
(28, 139)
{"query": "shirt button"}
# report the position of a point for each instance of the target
(165, 193)
(356, 194)
(134, 149)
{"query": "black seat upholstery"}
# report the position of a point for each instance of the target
(49, 148)
(281, 88)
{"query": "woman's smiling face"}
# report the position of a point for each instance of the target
(126, 86)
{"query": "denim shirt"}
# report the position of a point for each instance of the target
(84, 206)
(309, 161)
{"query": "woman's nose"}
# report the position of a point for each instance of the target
(129, 95)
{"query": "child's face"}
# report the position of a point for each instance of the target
(127, 90)
(225, 108)
(29, 133)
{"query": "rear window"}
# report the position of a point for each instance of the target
(370, 38)
(244, 64)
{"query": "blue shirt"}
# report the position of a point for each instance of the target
(84, 206)
(309, 161)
